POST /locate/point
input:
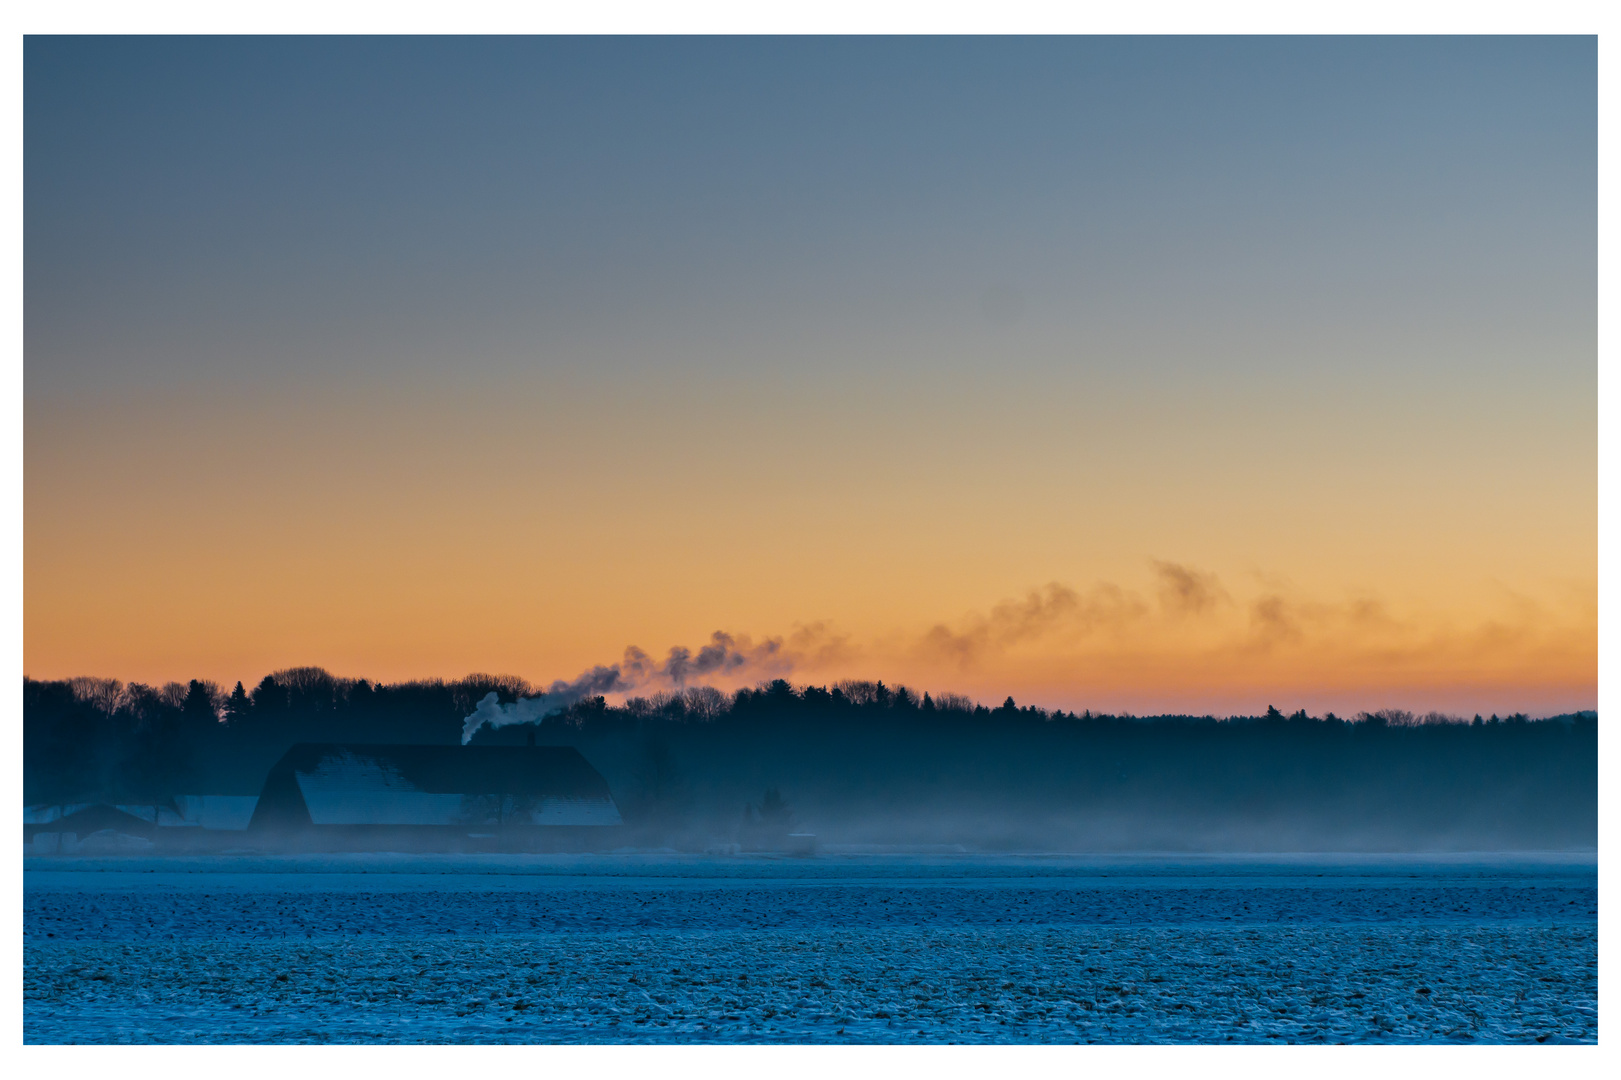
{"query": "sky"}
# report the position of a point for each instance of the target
(1127, 374)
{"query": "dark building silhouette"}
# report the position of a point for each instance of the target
(365, 793)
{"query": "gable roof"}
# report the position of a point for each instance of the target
(395, 784)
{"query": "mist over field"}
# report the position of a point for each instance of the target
(862, 764)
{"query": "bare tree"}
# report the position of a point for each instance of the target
(705, 702)
(107, 695)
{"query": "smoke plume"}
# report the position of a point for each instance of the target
(724, 656)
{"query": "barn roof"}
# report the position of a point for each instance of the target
(391, 784)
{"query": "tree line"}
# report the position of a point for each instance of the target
(866, 758)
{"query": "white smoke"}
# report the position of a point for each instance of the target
(724, 656)
(559, 696)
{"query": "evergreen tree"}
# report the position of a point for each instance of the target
(237, 705)
(198, 706)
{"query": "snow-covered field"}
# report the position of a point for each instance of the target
(835, 948)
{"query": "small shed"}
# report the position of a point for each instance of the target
(215, 812)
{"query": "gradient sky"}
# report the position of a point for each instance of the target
(1106, 373)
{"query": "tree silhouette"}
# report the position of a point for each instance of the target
(237, 706)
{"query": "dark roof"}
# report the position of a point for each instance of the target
(96, 817)
(523, 772)
(551, 771)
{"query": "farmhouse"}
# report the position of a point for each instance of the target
(86, 827)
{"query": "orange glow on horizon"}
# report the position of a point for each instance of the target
(408, 537)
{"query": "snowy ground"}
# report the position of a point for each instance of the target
(873, 948)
